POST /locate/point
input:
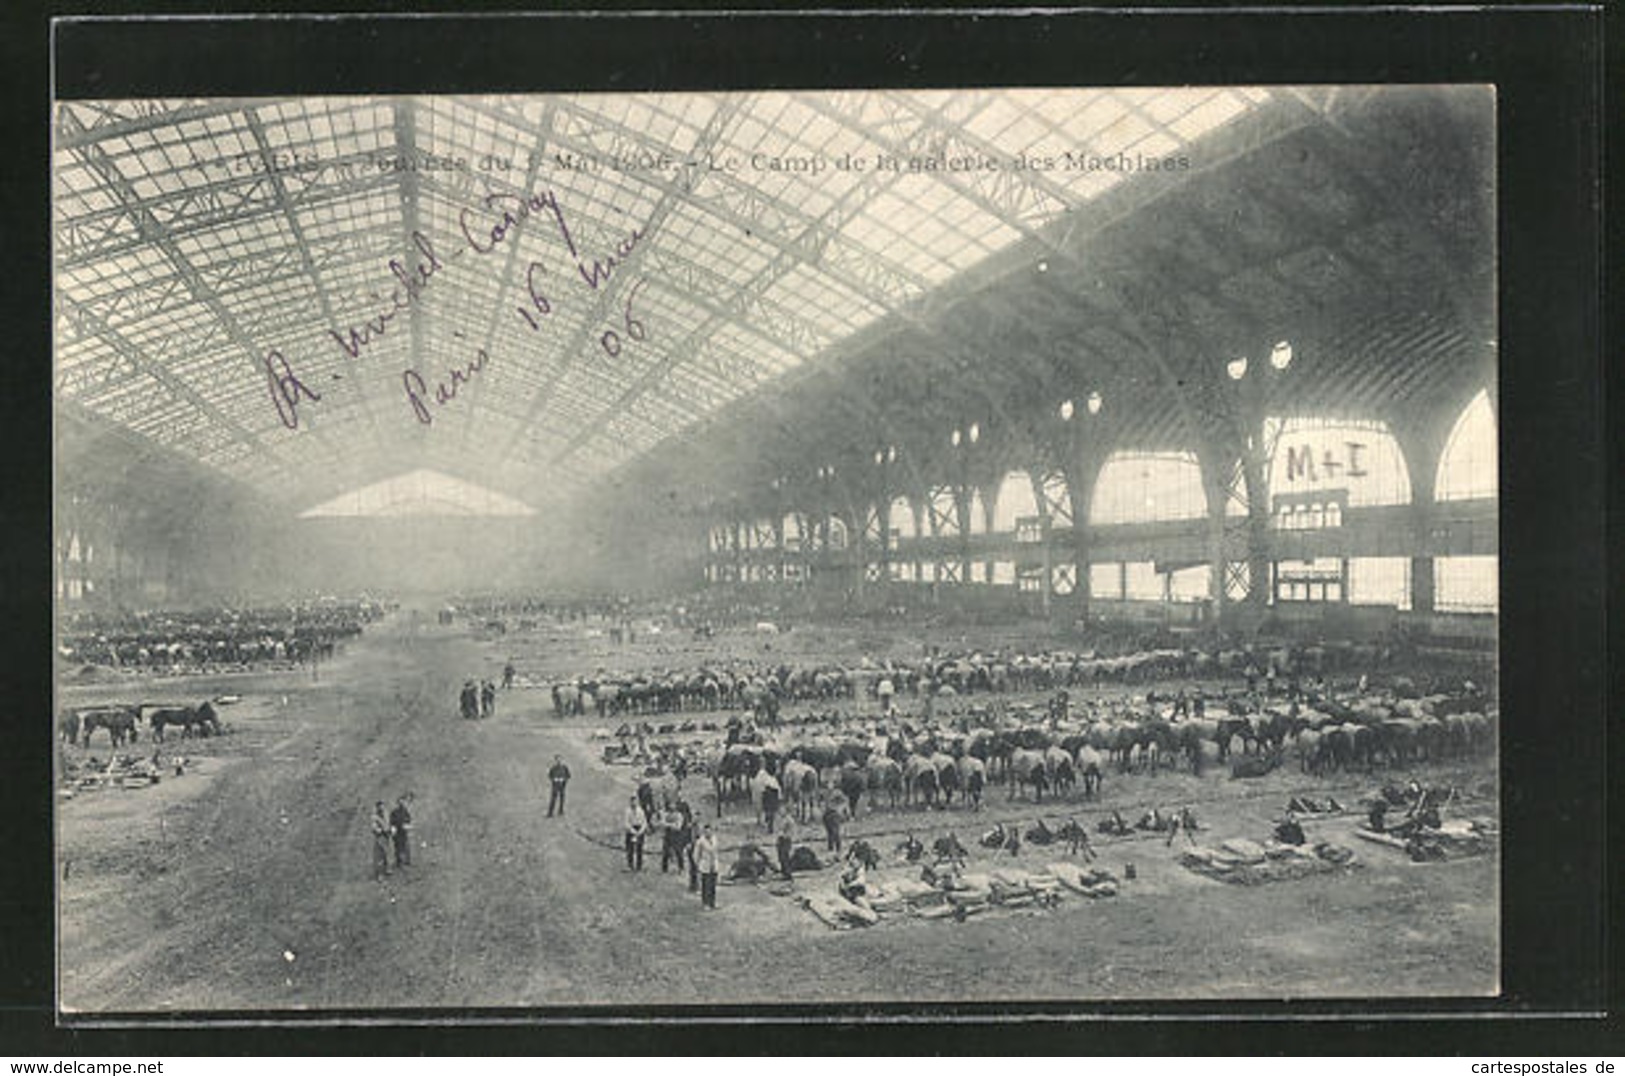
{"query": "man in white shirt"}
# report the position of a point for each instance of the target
(705, 859)
(637, 826)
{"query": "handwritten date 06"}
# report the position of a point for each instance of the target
(611, 339)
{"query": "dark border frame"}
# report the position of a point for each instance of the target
(1547, 63)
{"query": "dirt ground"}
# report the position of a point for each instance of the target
(246, 884)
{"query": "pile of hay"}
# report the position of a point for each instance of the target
(960, 895)
(121, 771)
(1455, 839)
(1239, 861)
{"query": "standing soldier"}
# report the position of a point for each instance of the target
(558, 775)
(671, 838)
(786, 843)
(832, 826)
(380, 842)
(400, 828)
(705, 860)
(488, 698)
(507, 675)
(637, 824)
(769, 792)
(685, 847)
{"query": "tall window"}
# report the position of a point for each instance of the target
(902, 518)
(1106, 580)
(978, 513)
(1380, 581)
(1327, 456)
(1148, 487)
(1015, 502)
(1468, 466)
(1191, 584)
(1467, 584)
(1141, 581)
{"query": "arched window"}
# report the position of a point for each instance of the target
(420, 493)
(1468, 466)
(1148, 487)
(1359, 460)
(1014, 502)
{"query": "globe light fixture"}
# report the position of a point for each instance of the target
(1236, 368)
(975, 432)
(1094, 403)
(1281, 355)
(954, 439)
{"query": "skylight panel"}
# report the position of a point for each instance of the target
(1172, 103)
(747, 345)
(1096, 116)
(1157, 144)
(1126, 130)
(1211, 114)
(1027, 133)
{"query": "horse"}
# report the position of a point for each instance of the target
(1230, 727)
(800, 783)
(119, 721)
(972, 779)
(1027, 768)
(1089, 764)
(920, 777)
(1058, 770)
(947, 777)
(161, 717)
(67, 726)
(883, 774)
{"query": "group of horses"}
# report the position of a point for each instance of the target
(123, 722)
(764, 687)
(197, 638)
(1057, 752)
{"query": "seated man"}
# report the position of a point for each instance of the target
(1289, 830)
(751, 864)
(854, 885)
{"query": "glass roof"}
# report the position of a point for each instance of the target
(535, 288)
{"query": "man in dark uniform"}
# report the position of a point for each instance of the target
(380, 842)
(832, 827)
(400, 830)
(558, 775)
(507, 676)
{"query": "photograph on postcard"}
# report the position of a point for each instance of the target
(775, 548)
